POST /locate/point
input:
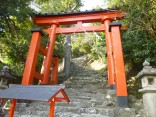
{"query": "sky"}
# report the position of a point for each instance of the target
(91, 4)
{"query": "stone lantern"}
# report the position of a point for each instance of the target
(148, 81)
(5, 77)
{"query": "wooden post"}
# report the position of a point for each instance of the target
(121, 87)
(110, 59)
(67, 55)
(52, 108)
(50, 49)
(54, 77)
(31, 62)
(12, 108)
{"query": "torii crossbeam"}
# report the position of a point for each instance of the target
(116, 72)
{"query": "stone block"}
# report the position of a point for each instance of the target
(124, 112)
(149, 100)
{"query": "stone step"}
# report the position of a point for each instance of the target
(92, 87)
(16, 115)
(128, 113)
(84, 104)
(89, 113)
(85, 77)
(42, 109)
(86, 85)
(75, 110)
(82, 74)
(79, 102)
(87, 90)
(83, 95)
(88, 110)
(86, 74)
(89, 99)
(39, 109)
(91, 94)
(75, 100)
(84, 81)
(73, 103)
(68, 114)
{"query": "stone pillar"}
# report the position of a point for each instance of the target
(67, 55)
(148, 81)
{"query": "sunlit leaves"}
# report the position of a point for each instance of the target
(139, 39)
(15, 36)
(56, 6)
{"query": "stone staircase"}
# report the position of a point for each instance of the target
(87, 92)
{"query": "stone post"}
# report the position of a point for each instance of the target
(67, 55)
(148, 81)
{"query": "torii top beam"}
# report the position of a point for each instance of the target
(74, 17)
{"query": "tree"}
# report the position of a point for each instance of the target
(139, 40)
(58, 6)
(11, 10)
(15, 24)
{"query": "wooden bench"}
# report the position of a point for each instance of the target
(46, 93)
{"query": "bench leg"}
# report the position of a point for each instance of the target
(52, 108)
(12, 109)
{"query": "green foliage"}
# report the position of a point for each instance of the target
(18, 8)
(139, 39)
(59, 46)
(133, 87)
(16, 69)
(53, 6)
(1, 65)
(81, 45)
(89, 43)
(98, 50)
(15, 24)
(12, 14)
(15, 49)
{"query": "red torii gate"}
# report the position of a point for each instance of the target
(116, 72)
